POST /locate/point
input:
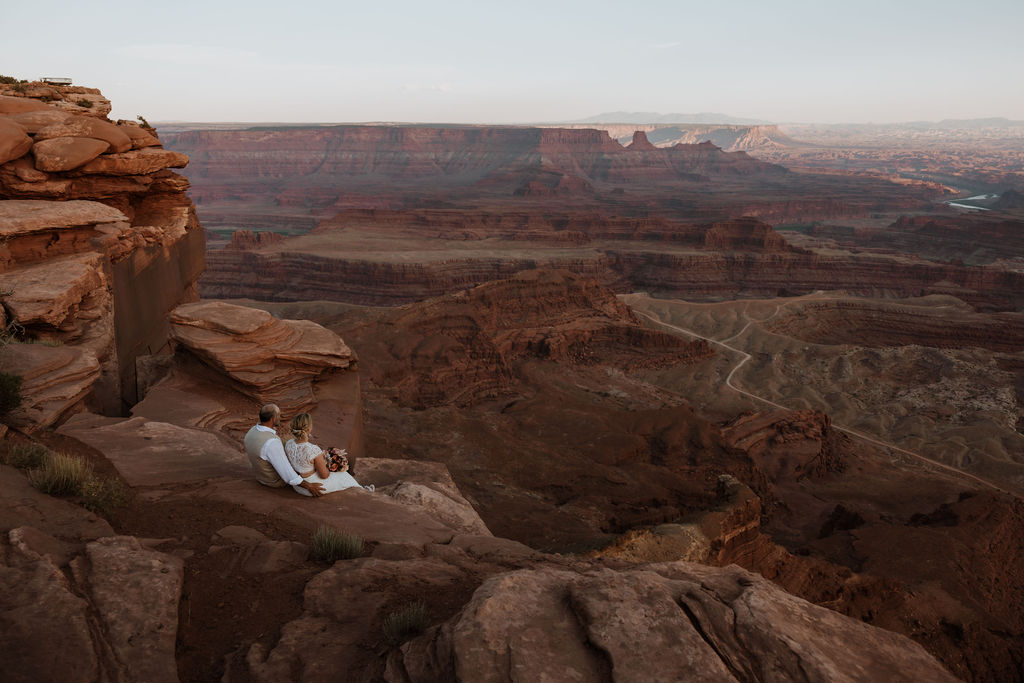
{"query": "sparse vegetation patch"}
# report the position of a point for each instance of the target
(26, 456)
(330, 545)
(405, 623)
(61, 475)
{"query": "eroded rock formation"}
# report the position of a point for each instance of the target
(92, 221)
(704, 624)
(462, 348)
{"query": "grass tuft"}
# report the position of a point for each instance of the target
(26, 456)
(61, 475)
(405, 623)
(331, 545)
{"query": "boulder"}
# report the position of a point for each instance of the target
(669, 622)
(15, 105)
(14, 141)
(141, 137)
(67, 153)
(44, 626)
(34, 121)
(340, 604)
(136, 592)
(88, 127)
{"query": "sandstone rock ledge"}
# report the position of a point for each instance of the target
(663, 622)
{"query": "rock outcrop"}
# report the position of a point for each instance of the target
(461, 348)
(115, 617)
(98, 240)
(704, 624)
(271, 360)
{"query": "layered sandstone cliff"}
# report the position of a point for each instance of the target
(355, 258)
(99, 243)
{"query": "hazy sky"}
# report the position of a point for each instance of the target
(527, 61)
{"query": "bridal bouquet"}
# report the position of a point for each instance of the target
(337, 459)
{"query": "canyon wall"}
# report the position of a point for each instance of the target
(345, 260)
(290, 178)
(99, 243)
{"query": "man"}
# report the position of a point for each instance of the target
(266, 454)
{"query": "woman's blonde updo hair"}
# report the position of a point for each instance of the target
(301, 425)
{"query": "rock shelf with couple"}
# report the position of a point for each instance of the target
(300, 464)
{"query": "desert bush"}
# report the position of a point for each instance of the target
(331, 545)
(84, 103)
(61, 475)
(10, 392)
(406, 622)
(103, 494)
(8, 80)
(26, 456)
(143, 122)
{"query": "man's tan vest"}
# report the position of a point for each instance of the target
(265, 472)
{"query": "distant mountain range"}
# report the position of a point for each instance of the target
(646, 117)
(652, 117)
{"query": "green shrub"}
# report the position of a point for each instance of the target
(26, 456)
(19, 87)
(8, 80)
(143, 122)
(10, 392)
(405, 623)
(103, 494)
(84, 103)
(61, 475)
(331, 545)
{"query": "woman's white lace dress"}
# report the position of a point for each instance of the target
(301, 456)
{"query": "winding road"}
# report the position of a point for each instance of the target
(864, 437)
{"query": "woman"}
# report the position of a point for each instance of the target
(309, 461)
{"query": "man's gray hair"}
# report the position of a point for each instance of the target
(268, 412)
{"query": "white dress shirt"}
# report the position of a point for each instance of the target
(273, 452)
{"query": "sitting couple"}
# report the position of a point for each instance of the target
(298, 463)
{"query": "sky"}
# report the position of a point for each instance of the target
(526, 61)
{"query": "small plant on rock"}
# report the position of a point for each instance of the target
(406, 622)
(103, 494)
(143, 122)
(84, 103)
(61, 475)
(331, 545)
